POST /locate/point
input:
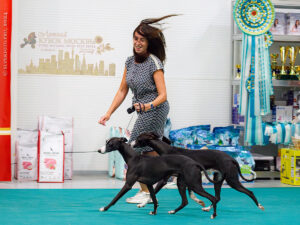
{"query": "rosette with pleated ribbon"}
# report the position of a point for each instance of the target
(254, 18)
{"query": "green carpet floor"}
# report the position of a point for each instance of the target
(80, 206)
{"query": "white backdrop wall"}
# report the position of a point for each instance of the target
(197, 70)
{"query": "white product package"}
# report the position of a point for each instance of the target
(26, 155)
(57, 125)
(293, 23)
(26, 162)
(279, 25)
(27, 136)
(284, 113)
(51, 149)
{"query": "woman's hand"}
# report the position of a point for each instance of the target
(103, 119)
(140, 107)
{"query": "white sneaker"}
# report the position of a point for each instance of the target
(140, 197)
(171, 185)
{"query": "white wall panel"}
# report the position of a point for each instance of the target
(197, 70)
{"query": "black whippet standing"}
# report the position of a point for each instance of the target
(210, 159)
(149, 170)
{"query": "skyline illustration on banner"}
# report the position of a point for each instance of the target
(65, 61)
(69, 66)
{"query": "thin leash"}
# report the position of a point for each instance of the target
(96, 150)
(129, 121)
(71, 152)
(81, 152)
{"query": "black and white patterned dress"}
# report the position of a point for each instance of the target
(140, 80)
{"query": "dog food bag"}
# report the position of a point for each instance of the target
(186, 136)
(194, 147)
(51, 157)
(226, 135)
(245, 158)
(57, 125)
(222, 135)
(26, 147)
(204, 137)
(27, 136)
(26, 162)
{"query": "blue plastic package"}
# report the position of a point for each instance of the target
(226, 135)
(187, 135)
(242, 155)
(245, 157)
(194, 146)
(204, 137)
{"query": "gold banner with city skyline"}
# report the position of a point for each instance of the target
(69, 56)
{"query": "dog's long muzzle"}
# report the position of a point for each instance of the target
(102, 150)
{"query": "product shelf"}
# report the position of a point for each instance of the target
(276, 38)
(276, 83)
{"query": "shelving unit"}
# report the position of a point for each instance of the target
(279, 85)
(276, 83)
(276, 38)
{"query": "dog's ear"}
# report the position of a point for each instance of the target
(124, 139)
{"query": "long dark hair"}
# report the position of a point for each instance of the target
(154, 36)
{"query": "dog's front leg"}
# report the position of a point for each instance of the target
(182, 190)
(152, 194)
(123, 191)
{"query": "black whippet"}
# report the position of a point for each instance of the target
(210, 159)
(149, 170)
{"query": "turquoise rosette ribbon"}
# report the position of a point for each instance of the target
(254, 18)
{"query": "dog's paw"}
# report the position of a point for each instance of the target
(102, 209)
(261, 207)
(213, 216)
(172, 212)
(206, 209)
(152, 213)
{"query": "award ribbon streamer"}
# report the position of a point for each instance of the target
(255, 18)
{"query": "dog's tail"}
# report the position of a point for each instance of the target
(205, 173)
(240, 172)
